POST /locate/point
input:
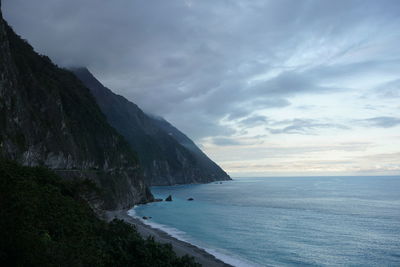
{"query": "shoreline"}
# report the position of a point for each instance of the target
(180, 247)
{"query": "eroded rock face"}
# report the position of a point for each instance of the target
(49, 118)
(167, 156)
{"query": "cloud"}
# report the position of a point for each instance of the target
(283, 152)
(190, 57)
(382, 122)
(235, 73)
(290, 83)
(386, 156)
(389, 89)
(253, 121)
(221, 141)
(302, 126)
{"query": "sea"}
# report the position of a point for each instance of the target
(285, 221)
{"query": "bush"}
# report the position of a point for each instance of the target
(44, 222)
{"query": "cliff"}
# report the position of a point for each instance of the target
(167, 156)
(49, 118)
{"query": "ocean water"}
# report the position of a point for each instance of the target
(286, 221)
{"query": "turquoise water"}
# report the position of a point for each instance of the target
(308, 221)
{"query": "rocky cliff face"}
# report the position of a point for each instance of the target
(209, 168)
(48, 117)
(166, 155)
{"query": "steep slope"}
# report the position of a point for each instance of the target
(167, 156)
(48, 117)
(45, 222)
(202, 160)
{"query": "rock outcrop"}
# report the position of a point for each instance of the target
(167, 155)
(49, 118)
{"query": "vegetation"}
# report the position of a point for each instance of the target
(61, 108)
(45, 222)
(48, 117)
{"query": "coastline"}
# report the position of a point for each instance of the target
(181, 248)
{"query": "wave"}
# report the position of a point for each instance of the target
(169, 230)
(182, 236)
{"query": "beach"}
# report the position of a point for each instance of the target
(181, 248)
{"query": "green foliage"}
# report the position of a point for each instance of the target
(44, 222)
(60, 104)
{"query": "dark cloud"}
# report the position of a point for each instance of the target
(255, 120)
(356, 70)
(199, 125)
(382, 122)
(290, 83)
(302, 126)
(198, 62)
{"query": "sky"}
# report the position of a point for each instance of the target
(265, 88)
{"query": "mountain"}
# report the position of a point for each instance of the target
(202, 160)
(49, 118)
(167, 155)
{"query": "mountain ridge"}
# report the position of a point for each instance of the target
(167, 155)
(49, 118)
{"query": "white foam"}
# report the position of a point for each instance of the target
(169, 230)
(182, 236)
(230, 259)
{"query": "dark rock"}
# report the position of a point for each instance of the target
(158, 200)
(169, 198)
(145, 217)
(190, 199)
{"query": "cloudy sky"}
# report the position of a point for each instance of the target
(282, 87)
